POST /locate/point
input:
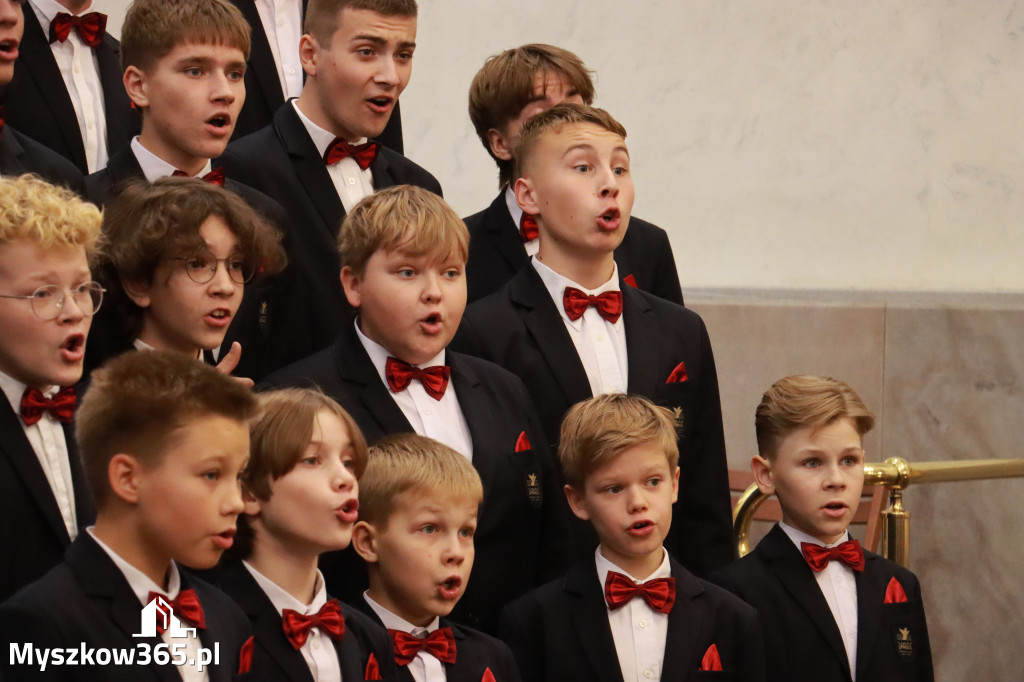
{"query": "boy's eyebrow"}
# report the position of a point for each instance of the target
(590, 148)
(380, 41)
(207, 61)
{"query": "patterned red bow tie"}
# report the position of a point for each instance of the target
(849, 552)
(660, 593)
(440, 644)
(214, 177)
(362, 154)
(528, 228)
(297, 625)
(608, 304)
(90, 27)
(186, 607)
(400, 374)
(61, 406)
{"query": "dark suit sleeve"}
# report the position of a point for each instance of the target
(925, 672)
(666, 276)
(524, 640)
(23, 627)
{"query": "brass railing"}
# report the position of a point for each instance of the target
(895, 474)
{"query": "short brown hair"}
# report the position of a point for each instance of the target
(554, 119)
(322, 16)
(152, 28)
(597, 430)
(504, 85)
(799, 401)
(405, 218)
(407, 462)
(53, 217)
(138, 400)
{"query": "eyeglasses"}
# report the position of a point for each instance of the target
(202, 268)
(48, 301)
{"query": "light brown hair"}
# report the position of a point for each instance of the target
(504, 85)
(322, 16)
(399, 464)
(405, 218)
(553, 120)
(152, 28)
(799, 401)
(595, 431)
(53, 217)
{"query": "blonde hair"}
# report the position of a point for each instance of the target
(596, 431)
(405, 218)
(799, 401)
(399, 464)
(554, 119)
(53, 217)
(322, 16)
(152, 28)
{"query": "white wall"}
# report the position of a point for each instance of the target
(787, 144)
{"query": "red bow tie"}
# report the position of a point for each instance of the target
(608, 304)
(849, 552)
(528, 228)
(660, 593)
(362, 154)
(90, 27)
(186, 607)
(297, 626)
(214, 177)
(61, 406)
(434, 379)
(1, 121)
(440, 644)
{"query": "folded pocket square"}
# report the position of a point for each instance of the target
(245, 656)
(894, 593)
(711, 660)
(522, 443)
(488, 676)
(678, 374)
(372, 669)
(631, 281)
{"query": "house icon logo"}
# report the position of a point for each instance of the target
(158, 617)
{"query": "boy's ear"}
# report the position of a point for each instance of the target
(309, 51)
(762, 469)
(499, 145)
(576, 502)
(351, 282)
(675, 486)
(123, 473)
(138, 292)
(134, 81)
(526, 197)
(364, 541)
(251, 503)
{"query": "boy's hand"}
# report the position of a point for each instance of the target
(228, 363)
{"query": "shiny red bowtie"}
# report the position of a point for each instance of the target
(186, 607)
(61, 406)
(90, 27)
(328, 619)
(608, 304)
(400, 374)
(440, 644)
(528, 228)
(362, 154)
(849, 552)
(659, 593)
(214, 177)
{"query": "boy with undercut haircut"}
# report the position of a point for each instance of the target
(47, 300)
(570, 330)
(630, 611)
(318, 157)
(830, 610)
(163, 441)
(507, 90)
(403, 251)
(418, 514)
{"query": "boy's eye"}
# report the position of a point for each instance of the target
(404, 56)
(406, 272)
(656, 481)
(236, 265)
(811, 463)
(312, 460)
(851, 460)
(454, 273)
(467, 532)
(428, 529)
(236, 75)
(211, 475)
(45, 293)
(196, 264)
(365, 51)
(619, 170)
(614, 489)
(581, 167)
(193, 71)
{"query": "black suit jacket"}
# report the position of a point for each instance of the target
(496, 253)
(86, 601)
(37, 102)
(33, 536)
(274, 659)
(281, 160)
(475, 653)
(519, 328)
(20, 154)
(522, 536)
(560, 631)
(801, 636)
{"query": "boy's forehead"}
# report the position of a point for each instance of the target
(358, 21)
(21, 257)
(445, 500)
(561, 138)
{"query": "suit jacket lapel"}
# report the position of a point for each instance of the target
(474, 407)
(642, 343)
(116, 106)
(122, 167)
(870, 598)
(10, 155)
(688, 625)
(505, 234)
(590, 621)
(354, 365)
(309, 166)
(85, 508)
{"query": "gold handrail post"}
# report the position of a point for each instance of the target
(894, 539)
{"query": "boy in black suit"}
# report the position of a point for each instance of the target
(47, 300)
(163, 441)
(418, 513)
(629, 611)
(301, 499)
(316, 160)
(569, 331)
(403, 251)
(509, 89)
(831, 612)
(67, 92)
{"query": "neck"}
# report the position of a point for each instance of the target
(75, 6)
(587, 272)
(150, 339)
(379, 594)
(639, 567)
(291, 569)
(121, 534)
(189, 164)
(309, 104)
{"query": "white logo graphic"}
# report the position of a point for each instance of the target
(160, 609)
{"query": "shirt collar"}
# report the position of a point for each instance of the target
(513, 207)
(604, 566)
(283, 600)
(46, 10)
(556, 284)
(321, 138)
(154, 168)
(798, 536)
(141, 583)
(379, 354)
(395, 622)
(14, 390)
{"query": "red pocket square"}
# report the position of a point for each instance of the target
(631, 281)
(894, 593)
(711, 660)
(522, 443)
(245, 656)
(678, 375)
(372, 669)
(488, 676)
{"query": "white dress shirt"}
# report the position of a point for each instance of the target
(424, 667)
(47, 439)
(638, 630)
(81, 73)
(532, 246)
(318, 651)
(282, 22)
(441, 419)
(154, 168)
(839, 587)
(600, 344)
(350, 181)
